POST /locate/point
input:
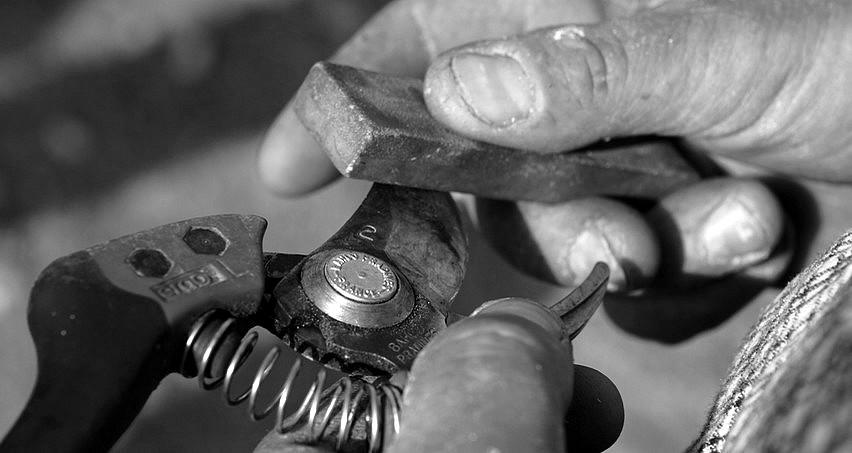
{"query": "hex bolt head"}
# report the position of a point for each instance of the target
(205, 241)
(149, 263)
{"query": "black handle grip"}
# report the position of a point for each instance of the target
(111, 321)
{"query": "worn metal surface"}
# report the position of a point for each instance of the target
(577, 308)
(390, 300)
(376, 127)
(110, 322)
(419, 235)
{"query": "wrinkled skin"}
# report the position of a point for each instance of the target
(759, 86)
(512, 347)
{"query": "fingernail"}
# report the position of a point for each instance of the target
(523, 308)
(734, 236)
(495, 88)
(591, 245)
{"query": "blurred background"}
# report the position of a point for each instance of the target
(121, 115)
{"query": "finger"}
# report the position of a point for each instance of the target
(816, 211)
(561, 242)
(675, 315)
(500, 380)
(596, 416)
(714, 228)
(627, 8)
(731, 79)
(401, 40)
(290, 162)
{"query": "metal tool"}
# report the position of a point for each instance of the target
(376, 127)
(111, 321)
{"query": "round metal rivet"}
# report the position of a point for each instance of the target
(357, 288)
(205, 241)
(361, 277)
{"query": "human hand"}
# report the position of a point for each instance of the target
(755, 83)
(501, 380)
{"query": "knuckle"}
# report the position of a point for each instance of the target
(584, 61)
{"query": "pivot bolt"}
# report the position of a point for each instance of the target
(357, 288)
(361, 277)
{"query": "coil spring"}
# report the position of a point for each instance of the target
(382, 412)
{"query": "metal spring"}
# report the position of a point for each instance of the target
(382, 412)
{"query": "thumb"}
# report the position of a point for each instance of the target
(731, 77)
(500, 380)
